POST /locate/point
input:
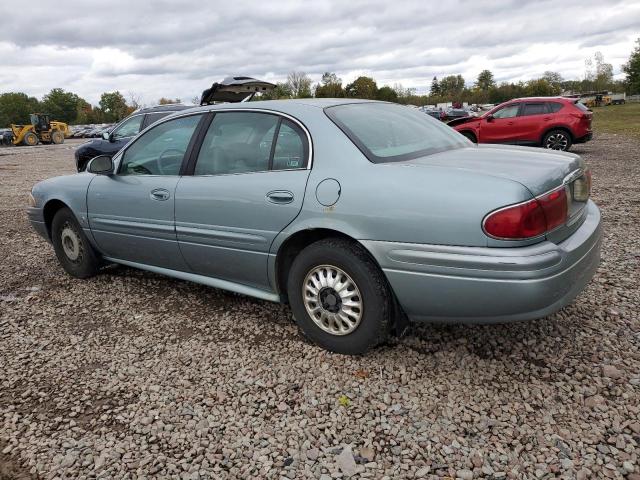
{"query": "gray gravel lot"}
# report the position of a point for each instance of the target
(133, 375)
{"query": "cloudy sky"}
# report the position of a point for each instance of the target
(176, 48)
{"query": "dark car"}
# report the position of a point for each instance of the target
(112, 142)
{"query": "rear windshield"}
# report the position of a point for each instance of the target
(581, 106)
(387, 132)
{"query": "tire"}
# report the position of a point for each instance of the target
(57, 137)
(74, 252)
(30, 139)
(470, 136)
(363, 284)
(557, 140)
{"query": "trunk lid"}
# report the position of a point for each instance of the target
(234, 89)
(538, 170)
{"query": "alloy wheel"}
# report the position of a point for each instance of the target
(332, 300)
(557, 141)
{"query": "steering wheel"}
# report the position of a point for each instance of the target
(168, 151)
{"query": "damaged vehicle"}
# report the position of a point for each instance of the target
(361, 215)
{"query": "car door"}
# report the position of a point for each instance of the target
(131, 213)
(247, 184)
(531, 122)
(500, 126)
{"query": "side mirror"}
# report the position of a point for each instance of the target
(100, 165)
(489, 118)
(106, 135)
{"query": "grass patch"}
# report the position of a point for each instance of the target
(618, 119)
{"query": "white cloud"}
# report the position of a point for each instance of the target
(177, 48)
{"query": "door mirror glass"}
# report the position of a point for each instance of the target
(101, 165)
(105, 135)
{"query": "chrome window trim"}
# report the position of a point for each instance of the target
(187, 113)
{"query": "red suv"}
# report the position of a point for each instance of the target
(549, 122)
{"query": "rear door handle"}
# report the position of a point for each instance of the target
(159, 194)
(280, 196)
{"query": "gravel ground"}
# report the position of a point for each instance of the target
(133, 375)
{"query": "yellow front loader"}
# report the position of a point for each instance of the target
(41, 130)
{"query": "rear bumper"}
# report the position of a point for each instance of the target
(435, 283)
(584, 138)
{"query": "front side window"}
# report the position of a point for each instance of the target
(242, 142)
(387, 132)
(509, 111)
(534, 109)
(160, 151)
(129, 128)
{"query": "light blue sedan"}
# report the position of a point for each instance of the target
(361, 215)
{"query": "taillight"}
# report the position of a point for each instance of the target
(528, 219)
(582, 187)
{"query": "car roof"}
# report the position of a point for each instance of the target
(285, 105)
(541, 99)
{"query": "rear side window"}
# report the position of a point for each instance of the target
(154, 117)
(387, 132)
(534, 109)
(290, 151)
(554, 107)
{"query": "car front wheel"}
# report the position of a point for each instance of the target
(339, 297)
(74, 252)
(557, 140)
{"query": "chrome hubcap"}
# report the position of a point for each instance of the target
(332, 300)
(557, 141)
(70, 243)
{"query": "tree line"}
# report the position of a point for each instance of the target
(15, 107)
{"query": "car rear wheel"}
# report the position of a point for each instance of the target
(74, 252)
(557, 140)
(339, 297)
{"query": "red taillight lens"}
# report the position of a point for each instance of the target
(529, 219)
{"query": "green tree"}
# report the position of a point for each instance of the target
(113, 106)
(435, 87)
(485, 81)
(362, 87)
(281, 90)
(541, 88)
(329, 87)
(387, 94)
(632, 70)
(15, 107)
(61, 105)
(452, 86)
(299, 84)
(167, 101)
(554, 78)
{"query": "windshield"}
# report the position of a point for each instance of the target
(387, 132)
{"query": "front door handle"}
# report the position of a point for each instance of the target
(160, 194)
(280, 196)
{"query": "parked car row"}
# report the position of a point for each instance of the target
(89, 131)
(360, 214)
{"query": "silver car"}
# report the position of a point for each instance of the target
(361, 215)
